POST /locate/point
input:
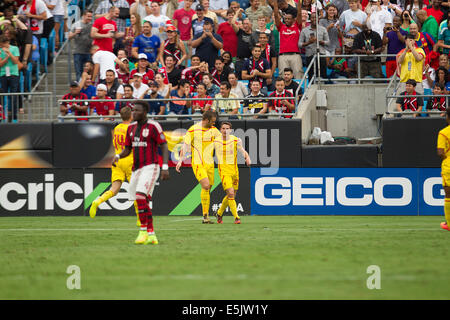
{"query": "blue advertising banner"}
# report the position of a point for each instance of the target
(347, 191)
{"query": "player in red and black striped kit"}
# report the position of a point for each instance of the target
(143, 138)
(281, 105)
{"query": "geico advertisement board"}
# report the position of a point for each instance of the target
(43, 192)
(344, 191)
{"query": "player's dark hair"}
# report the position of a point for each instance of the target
(144, 104)
(279, 79)
(202, 84)
(195, 56)
(227, 123)
(209, 114)
(169, 56)
(411, 82)
(125, 113)
(288, 70)
(439, 85)
(110, 70)
(218, 58)
(207, 74)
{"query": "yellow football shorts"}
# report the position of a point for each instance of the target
(230, 181)
(122, 170)
(204, 171)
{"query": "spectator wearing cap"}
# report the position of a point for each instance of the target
(102, 108)
(143, 68)
(103, 61)
(208, 44)
(77, 108)
(227, 30)
(172, 46)
(198, 20)
(114, 89)
(409, 103)
(157, 20)
(155, 107)
(139, 88)
(146, 43)
(208, 13)
(411, 60)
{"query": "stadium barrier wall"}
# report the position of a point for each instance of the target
(345, 191)
(70, 192)
(411, 142)
(340, 156)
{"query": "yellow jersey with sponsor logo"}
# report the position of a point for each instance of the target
(226, 153)
(201, 141)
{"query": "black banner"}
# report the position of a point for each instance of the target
(66, 192)
(336, 156)
(411, 142)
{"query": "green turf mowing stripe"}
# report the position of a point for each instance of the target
(94, 194)
(192, 200)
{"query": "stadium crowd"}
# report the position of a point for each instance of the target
(174, 50)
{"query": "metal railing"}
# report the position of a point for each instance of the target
(358, 64)
(27, 103)
(221, 113)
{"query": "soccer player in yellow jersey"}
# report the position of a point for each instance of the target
(199, 141)
(443, 150)
(226, 148)
(122, 170)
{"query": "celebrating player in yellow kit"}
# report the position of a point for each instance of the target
(199, 141)
(123, 168)
(443, 150)
(226, 147)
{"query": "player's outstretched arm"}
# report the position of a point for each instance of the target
(165, 166)
(125, 152)
(182, 153)
(248, 161)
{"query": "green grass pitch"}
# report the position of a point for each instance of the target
(266, 257)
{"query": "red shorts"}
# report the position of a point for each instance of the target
(391, 68)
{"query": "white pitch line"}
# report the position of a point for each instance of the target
(331, 230)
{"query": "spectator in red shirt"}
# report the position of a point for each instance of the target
(182, 20)
(289, 36)
(102, 108)
(78, 108)
(435, 10)
(104, 30)
(143, 68)
(200, 106)
(227, 30)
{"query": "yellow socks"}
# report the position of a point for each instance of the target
(204, 196)
(223, 206)
(108, 194)
(233, 207)
(447, 210)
